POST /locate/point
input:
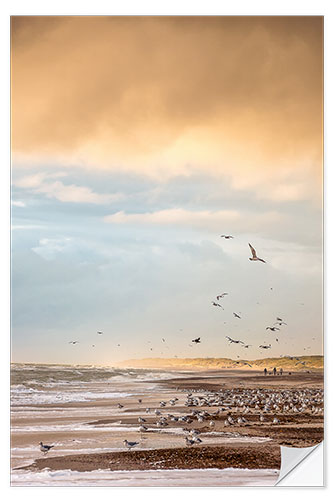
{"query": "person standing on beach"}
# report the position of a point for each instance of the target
(274, 371)
(281, 371)
(265, 372)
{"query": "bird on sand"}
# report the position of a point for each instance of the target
(226, 236)
(45, 447)
(197, 340)
(130, 444)
(254, 255)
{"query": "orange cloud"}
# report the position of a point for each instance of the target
(240, 96)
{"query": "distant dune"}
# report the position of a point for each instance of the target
(311, 363)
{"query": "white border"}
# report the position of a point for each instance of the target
(145, 7)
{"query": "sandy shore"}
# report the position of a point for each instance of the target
(254, 445)
(212, 457)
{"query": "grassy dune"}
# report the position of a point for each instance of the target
(311, 363)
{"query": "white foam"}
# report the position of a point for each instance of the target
(173, 477)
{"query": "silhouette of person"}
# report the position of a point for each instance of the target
(265, 372)
(274, 371)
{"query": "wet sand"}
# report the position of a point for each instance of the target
(212, 457)
(254, 445)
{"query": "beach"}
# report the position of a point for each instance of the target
(87, 412)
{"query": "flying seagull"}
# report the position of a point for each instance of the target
(265, 346)
(226, 236)
(100, 333)
(254, 254)
(236, 315)
(45, 447)
(216, 304)
(197, 340)
(246, 346)
(73, 342)
(232, 341)
(218, 297)
(272, 328)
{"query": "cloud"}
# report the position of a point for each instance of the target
(26, 226)
(166, 95)
(39, 183)
(173, 216)
(203, 219)
(48, 248)
(18, 203)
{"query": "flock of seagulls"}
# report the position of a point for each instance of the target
(217, 303)
(234, 407)
(202, 413)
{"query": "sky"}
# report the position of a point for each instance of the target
(136, 143)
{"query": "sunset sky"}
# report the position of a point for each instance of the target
(136, 143)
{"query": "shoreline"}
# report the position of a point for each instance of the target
(252, 444)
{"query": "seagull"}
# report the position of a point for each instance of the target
(272, 328)
(163, 340)
(130, 444)
(254, 254)
(73, 342)
(279, 319)
(45, 447)
(236, 315)
(218, 297)
(246, 346)
(197, 340)
(216, 304)
(100, 333)
(265, 346)
(226, 236)
(232, 341)
(246, 363)
(280, 323)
